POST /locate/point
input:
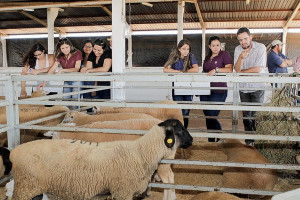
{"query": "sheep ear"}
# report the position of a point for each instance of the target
(169, 139)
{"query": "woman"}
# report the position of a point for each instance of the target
(87, 49)
(70, 59)
(216, 61)
(36, 61)
(100, 61)
(182, 61)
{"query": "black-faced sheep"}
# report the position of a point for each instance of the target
(158, 113)
(79, 118)
(72, 169)
(214, 196)
(249, 178)
(5, 164)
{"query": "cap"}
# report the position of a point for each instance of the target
(275, 42)
(109, 39)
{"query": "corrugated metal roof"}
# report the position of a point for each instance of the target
(162, 15)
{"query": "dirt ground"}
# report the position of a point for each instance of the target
(203, 175)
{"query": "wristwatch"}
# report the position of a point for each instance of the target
(217, 69)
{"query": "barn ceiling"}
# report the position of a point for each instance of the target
(95, 16)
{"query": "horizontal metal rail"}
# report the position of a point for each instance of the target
(219, 189)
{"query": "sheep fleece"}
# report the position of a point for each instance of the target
(79, 170)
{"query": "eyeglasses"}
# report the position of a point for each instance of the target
(87, 46)
(37, 55)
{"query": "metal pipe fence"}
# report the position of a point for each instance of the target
(13, 126)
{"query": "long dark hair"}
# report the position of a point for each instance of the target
(58, 52)
(175, 56)
(212, 38)
(86, 41)
(103, 43)
(29, 58)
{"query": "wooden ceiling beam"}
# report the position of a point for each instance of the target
(202, 23)
(39, 5)
(107, 10)
(58, 30)
(290, 19)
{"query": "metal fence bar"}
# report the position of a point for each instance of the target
(230, 164)
(219, 189)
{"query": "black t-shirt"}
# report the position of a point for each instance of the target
(106, 54)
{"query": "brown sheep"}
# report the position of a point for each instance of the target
(214, 196)
(158, 113)
(249, 178)
(79, 118)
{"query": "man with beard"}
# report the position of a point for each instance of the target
(249, 57)
(277, 61)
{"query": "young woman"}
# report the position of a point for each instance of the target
(70, 59)
(35, 61)
(182, 61)
(100, 61)
(216, 61)
(87, 48)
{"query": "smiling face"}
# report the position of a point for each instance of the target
(87, 48)
(65, 49)
(184, 50)
(245, 40)
(215, 46)
(98, 51)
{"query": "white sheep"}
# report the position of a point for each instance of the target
(79, 118)
(249, 178)
(164, 171)
(130, 124)
(158, 113)
(71, 169)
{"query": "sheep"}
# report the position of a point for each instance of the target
(214, 196)
(135, 124)
(32, 113)
(159, 113)
(79, 118)
(249, 178)
(5, 164)
(164, 171)
(72, 169)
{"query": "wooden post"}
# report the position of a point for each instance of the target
(51, 16)
(181, 5)
(4, 52)
(118, 46)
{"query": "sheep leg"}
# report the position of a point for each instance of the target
(166, 174)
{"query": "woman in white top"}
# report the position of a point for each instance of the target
(36, 61)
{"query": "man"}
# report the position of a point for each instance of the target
(277, 61)
(249, 57)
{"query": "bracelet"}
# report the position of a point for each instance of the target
(217, 69)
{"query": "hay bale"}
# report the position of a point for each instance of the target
(279, 123)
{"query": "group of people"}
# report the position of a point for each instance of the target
(249, 57)
(93, 57)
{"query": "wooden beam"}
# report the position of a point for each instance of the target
(40, 21)
(203, 24)
(107, 10)
(289, 21)
(3, 34)
(39, 5)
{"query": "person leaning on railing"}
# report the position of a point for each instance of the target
(182, 61)
(216, 61)
(249, 57)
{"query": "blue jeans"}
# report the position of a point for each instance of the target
(103, 94)
(88, 95)
(72, 89)
(213, 124)
(298, 101)
(185, 112)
